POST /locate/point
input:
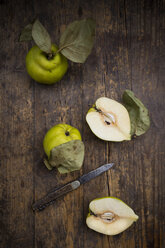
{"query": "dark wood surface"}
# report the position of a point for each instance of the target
(129, 53)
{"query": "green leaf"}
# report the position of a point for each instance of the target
(77, 40)
(41, 37)
(140, 121)
(26, 34)
(66, 157)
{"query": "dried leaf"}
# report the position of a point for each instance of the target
(140, 121)
(77, 40)
(26, 34)
(41, 37)
(67, 157)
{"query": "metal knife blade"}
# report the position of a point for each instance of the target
(92, 174)
(57, 192)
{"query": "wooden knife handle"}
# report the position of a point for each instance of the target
(53, 195)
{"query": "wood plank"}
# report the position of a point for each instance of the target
(129, 53)
(16, 134)
(61, 222)
(145, 75)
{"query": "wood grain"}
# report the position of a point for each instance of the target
(129, 53)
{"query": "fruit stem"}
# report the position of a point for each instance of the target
(67, 133)
(50, 55)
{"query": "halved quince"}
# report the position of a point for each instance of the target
(110, 216)
(109, 120)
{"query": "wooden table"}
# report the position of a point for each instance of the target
(128, 54)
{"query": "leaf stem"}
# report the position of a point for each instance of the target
(61, 48)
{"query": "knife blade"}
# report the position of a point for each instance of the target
(57, 192)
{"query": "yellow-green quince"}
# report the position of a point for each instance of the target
(59, 134)
(45, 69)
